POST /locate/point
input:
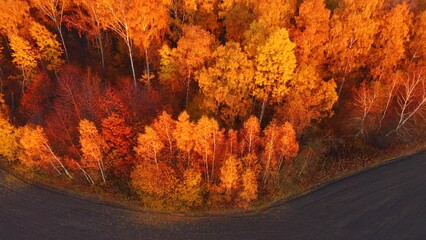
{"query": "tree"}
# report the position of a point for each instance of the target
(36, 150)
(54, 10)
(254, 37)
(116, 16)
(249, 191)
(153, 22)
(416, 45)
(310, 99)
(92, 146)
(230, 175)
(276, 13)
(164, 125)
(288, 147)
(48, 47)
(184, 135)
(280, 145)
(85, 19)
(13, 16)
(207, 136)
(389, 46)
(179, 65)
(24, 56)
(272, 133)
(118, 138)
(250, 136)
(155, 184)
(353, 27)
(275, 65)
(149, 146)
(9, 135)
(228, 82)
(203, 13)
(312, 32)
(131, 18)
(411, 102)
(189, 191)
(232, 143)
(237, 17)
(366, 106)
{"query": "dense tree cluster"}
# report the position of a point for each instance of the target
(194, 103)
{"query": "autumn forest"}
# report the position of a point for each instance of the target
(201, 104)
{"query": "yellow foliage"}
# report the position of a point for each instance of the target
(34, 147)
(237, 19)
(50, 49)
(206, 136)
(249, 191)
(149, 145)
(184, 133)
(178, 65)
(189, 191)
(164, 125)
(169, 69)
(228, 82)
(230, 174)
(92, 144)
(24, 56)
(276, 13)
(275, 65)
(255, 37)
(250, 136)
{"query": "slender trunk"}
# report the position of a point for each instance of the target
(13, 101)
(265, 175)
(341, 86)
(262, 112)
(24, 78)
(101, 51)
(387, 105)
(207, 167)
(250, 141)
(281, 162)
(56, 75)
(61, 35)
(170, 145)
(214, 156)
(57, 159)
(148, 71)
(57, 170)
(129, 46)
(155, 159)
(86, 174)
(102, 170)
(43, 67)
(188, 84)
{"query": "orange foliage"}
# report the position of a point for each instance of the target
(311, 66)
(155, 183)
(118, 138)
